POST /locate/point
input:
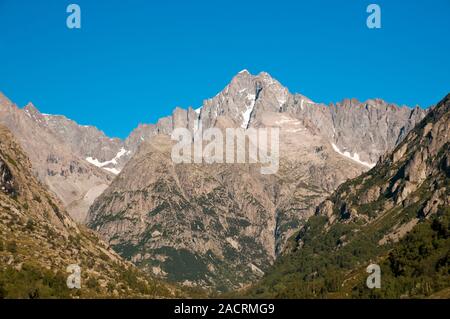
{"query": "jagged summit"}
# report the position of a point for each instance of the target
(31, 111)
(264, 78)
(243, 97)
(4, 100)
(31, 107)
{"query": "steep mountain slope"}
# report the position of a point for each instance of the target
(176, 219)
(38, 241)
(223, 225)
(397, 215)
(72, 179)
(87, 142)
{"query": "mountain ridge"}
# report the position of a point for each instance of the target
(88, 149)
(187, 117)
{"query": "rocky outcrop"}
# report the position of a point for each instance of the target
(6, 179)
(228, 218)
(85, 141)
(371, 195)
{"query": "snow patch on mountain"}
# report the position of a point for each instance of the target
(116, 171)
(354, 157)
(248, 111)
(282, 100)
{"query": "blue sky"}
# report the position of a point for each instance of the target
(133, 61)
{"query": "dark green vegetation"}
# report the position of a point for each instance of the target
(32, 282)
(417, 266)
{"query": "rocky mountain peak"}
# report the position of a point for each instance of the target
(243, 98)
(253, 84)
(30, 107)
(31, 111)
(4, 101)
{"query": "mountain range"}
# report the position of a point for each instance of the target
(222, 227)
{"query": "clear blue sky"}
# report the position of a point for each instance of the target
(134, 61)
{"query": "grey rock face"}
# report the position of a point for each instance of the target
(6, 179)
(372, 128)
(86, 141)
(65, 173)
(227, 222)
